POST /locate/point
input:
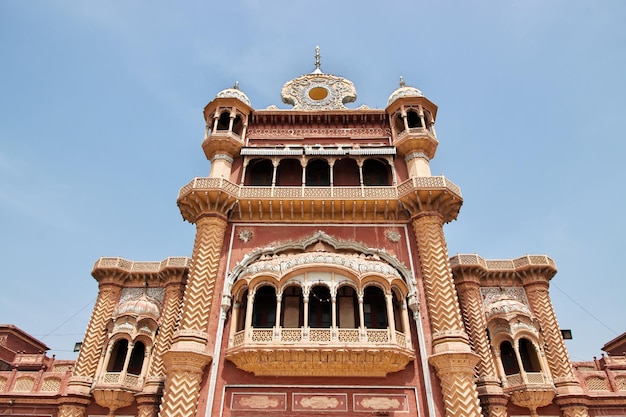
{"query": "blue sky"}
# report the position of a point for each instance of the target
(101, 124)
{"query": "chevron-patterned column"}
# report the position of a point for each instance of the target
(185, 361)
(475, 324)
(455, 371)
(556, 352)
(171, 310)
(201, 283)
(570, 395)
(452, 358)
(147, 405)
(88, 358)
(72, 410)
(184, 372)
(492, 398)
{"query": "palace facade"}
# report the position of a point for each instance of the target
(319, 284)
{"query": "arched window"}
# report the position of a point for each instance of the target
(528, 355)
(398, 122)
(292, 307)
(238, 125)
(136, 358)
(264, 308)
(509, 359)
(289, 173)
(259, 173)
(224, 121)
(319, 307)
(318, 173)
(346, 173)
(118, 356)
(347, 308)
(413, 119)
(376, 172)
(375, 308)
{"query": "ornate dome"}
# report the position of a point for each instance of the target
(234, 92)
(142, 306)
(505, 305)
(404, 91)
(318, 91)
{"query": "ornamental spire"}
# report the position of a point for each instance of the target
(318, 62)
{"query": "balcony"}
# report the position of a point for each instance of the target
(121, 380)
(320, 351)
(310, 203)
(530, 389)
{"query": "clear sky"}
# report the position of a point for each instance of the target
(101, 124)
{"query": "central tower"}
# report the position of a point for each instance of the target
(320, 264)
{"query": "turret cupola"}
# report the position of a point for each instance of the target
(412, 120)
(226, 118)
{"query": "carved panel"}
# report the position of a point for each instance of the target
(321, 402)
(259, 401)
(373, 402)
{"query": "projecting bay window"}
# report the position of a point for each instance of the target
(521, 363)
(319, 314)
(125, 362)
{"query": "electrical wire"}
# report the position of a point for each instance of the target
(68, 319)
(583, 308)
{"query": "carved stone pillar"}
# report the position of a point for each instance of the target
(452, 358)
(492, 397)
(185, 361)
(556, 353)
(171, 311)
(72, 410)
(95, 337)
(147, 405)
(569, 392)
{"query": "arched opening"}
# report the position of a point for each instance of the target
(318, 173)
(224, 121)
(374, 308)
(508, 358)
(347, 308)
(259, 173)
(136, 358)
(118, 356)
(289, 173)
(376, 173)
(398, 123)
(413, 119)
(238, 125)
(264, 308)
(319, 307)
(528, 355)
(346, 173)
(292, 308)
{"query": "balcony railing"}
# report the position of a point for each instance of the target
(385, 192)
(528, 378)
(320, 351)
(120, 379)
(306, 336)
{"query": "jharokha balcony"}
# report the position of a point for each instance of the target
(320, 352)
(349, 333)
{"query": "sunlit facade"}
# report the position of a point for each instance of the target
(319, 284)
